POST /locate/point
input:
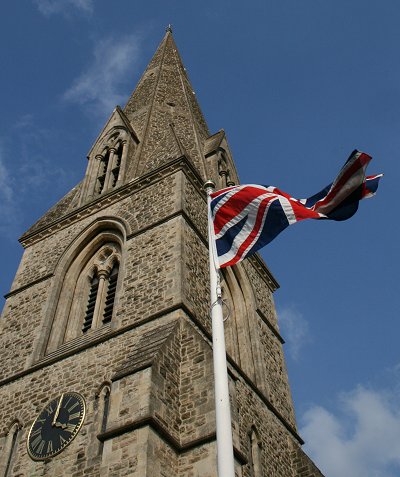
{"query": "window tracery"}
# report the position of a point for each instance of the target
(86, 300)
(102, 278)
(107, 163)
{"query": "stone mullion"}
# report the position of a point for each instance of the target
(101, 292)
(122, 166)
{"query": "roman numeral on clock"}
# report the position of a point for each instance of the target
(38, 444)
(70, 428)
(50, 447)
(36, 432)
(73, 406)
(75, 415)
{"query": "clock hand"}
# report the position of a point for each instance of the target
(60, 425)
(57, 411)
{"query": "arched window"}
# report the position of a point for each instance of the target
(102, 408)
(9, 449)
(241, 342)
(94, 288)
(109, 165)
(105, 409)
(86, 300)
(103, 166)
(110, 296)
(255, 453)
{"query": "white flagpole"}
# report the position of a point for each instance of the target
(225, 460)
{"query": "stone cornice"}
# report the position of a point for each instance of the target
(180, 163)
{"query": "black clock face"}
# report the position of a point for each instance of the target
(56, 426)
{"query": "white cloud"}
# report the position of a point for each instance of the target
(6, 192)
(9, 213)
(50, 7)
(361, 440)
(294, 329)
(38, 172)
(24, 174)
(100, 84)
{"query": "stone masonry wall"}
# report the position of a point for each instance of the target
(84, 373)
(303, 465)
(140, 210)
(276, 450)
(278, 383)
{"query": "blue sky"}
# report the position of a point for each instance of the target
(297, 86)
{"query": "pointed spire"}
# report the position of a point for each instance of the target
(164, 96)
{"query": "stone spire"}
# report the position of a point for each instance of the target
(164, 113)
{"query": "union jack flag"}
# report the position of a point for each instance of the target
(247, 217)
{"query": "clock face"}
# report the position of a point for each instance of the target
(56, 426)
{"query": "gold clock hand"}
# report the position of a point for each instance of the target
(57, 410)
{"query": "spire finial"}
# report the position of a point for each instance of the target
(169, 28)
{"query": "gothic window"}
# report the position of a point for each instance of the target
(223, 171)
(94, 288)
(104, 160)
(9, 449)
(255, 453)
(101, 276)
(88, 294)
(110, 296)
(109, 165)
(116, 169)
(242, 339)
(102, 407)
(105, 410)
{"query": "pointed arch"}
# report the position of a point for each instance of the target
(10, 444)
(102, 409)
(241, 331)
(77, 304)
(108, 157)
(255, 446)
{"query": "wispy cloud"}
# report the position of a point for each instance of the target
(6, 192)
(9, 212)
(99, 86)
(362, 439)
(295, 330)
(66, 7)
(25, 172)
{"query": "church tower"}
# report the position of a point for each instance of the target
(106, 361)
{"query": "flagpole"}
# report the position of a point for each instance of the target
(225, 460)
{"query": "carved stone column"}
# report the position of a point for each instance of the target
(101, 293)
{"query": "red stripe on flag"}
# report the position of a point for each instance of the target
(359, 162)
(260, 214)
(235, 205)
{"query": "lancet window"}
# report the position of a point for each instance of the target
(9, 450)
(109, 166)
(86, 300)
(224, 172)
(102, 411)
(102, 278)
(255, 453)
